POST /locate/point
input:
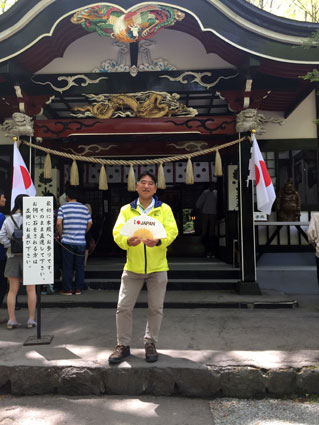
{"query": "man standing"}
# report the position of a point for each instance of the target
(145, 261)
(207, 203)
(73, 221)
(3, 280)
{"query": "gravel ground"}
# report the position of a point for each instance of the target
(264, 412)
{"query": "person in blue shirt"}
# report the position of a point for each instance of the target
(3, 280)
(73, 222)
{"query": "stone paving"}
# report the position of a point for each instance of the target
(204, 352)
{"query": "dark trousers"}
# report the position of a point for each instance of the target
(208, 232)
(3, 282)
(317, 263)
(73, 260)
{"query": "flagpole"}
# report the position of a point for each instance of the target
(241, 223)
(241, 216)
(254, 229)
(253, 209)
(248, 283)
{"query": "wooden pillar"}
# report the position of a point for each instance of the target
(317, 118)
(247, 283)
(134, 53)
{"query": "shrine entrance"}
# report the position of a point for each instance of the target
(180, 196)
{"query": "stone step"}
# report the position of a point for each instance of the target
(172, 274)
(174, 299)
(202, 353)
(173, 284)
(173, 378)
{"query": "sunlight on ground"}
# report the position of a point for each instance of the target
(89, 352)
(33, 355)
(275, 422)
(76, 410)
(135, 407)
(7, 344)
(19, 415)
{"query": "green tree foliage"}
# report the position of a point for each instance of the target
(312, 76)
(6, 4)
(301, 10)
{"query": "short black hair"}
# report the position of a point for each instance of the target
(18, 203)
(2, 192)
(147, 173)
(72, 192)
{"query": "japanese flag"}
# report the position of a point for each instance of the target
(21, 180)
(258, 171)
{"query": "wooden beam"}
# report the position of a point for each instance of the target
(121, 126)
(110, 83)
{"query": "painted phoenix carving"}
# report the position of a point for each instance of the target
(138, 24)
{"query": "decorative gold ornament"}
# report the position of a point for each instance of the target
(198, 76)
(190, 146)
(141, 105)
(70, 81)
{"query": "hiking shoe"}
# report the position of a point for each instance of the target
(31, 324)
(78, 292)
(119, 354)
(12, 324)
(151, 354)
(64, 292)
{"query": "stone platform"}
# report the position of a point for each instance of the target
(204, 352)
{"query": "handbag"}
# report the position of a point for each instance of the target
(16, 239)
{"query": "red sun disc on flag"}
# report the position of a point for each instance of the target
(257, 174)
(266, 175)
(26, 177)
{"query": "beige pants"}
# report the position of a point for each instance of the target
(131, 285)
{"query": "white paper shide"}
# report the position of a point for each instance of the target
(38, 252)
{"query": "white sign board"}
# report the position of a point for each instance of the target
(38, 252)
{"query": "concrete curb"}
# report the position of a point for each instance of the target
(201, 381)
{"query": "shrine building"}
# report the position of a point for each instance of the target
(133, 86)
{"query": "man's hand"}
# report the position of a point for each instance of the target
(151, 242)
(133, 241)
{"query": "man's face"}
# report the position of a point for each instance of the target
(2, 200)
(146, 187)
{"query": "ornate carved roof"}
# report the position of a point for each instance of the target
(263, 55)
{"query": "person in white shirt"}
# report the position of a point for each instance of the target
(14, 267)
